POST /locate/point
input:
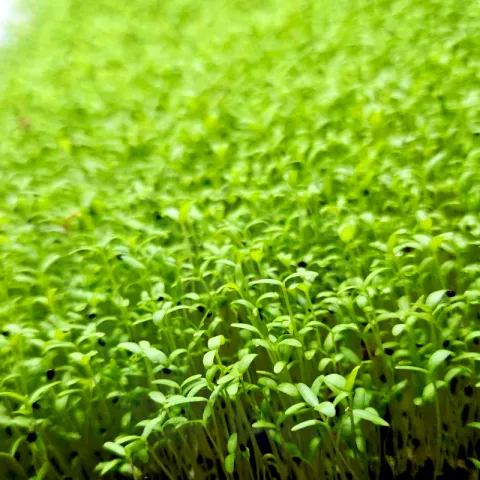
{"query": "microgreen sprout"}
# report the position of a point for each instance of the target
(240, 243)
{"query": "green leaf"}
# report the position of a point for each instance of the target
(229, 377)
(411, 368)
(167, 383)
(232, 443)
(306, 424)
(150, 426)
(453, 372)
(130, 346)
(230, 463)
(132, 263)
(362, 398)
(157, 397)
(475, 462)
(373, 274)
(398, 329)
(209, 358)
(200, 385)
(180, 400)
(257, 342)
(347, 232)
(303, 287)
(176, 422)
(437, 359)
(350, 355)
(114, 448)
(309, 354)
(216, 342)
(279, 366)
(340, 397)
(207, 412)
(256, 254)
(295, 408)
(474, 425)
(472, 336)
(351, 379)
(467, 356)
(21, 422)
(362, 301)
(308, 395)
(289, 389)
(317, 383)
(158, 317)
(267, 382)
(266, 296)
(371, 417)
(246, 326)
(39, 392)
(106, 467)
(211, 372)
(126, 439)
(329, 343)
(263, 424)
(266, 281)
(229, 287)
(245, 362)
(324, 362)
(344, 326)
(155, 356)
(48, 261)
(177, 353)
(435, 298)
(191, 379)
(429, 391)
(244, 303)
(336, 383)
(326, 408)
(291, 342)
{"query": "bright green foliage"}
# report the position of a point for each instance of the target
(240, 239)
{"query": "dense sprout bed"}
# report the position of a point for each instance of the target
(241, 240)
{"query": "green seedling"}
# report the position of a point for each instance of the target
(241, 240)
